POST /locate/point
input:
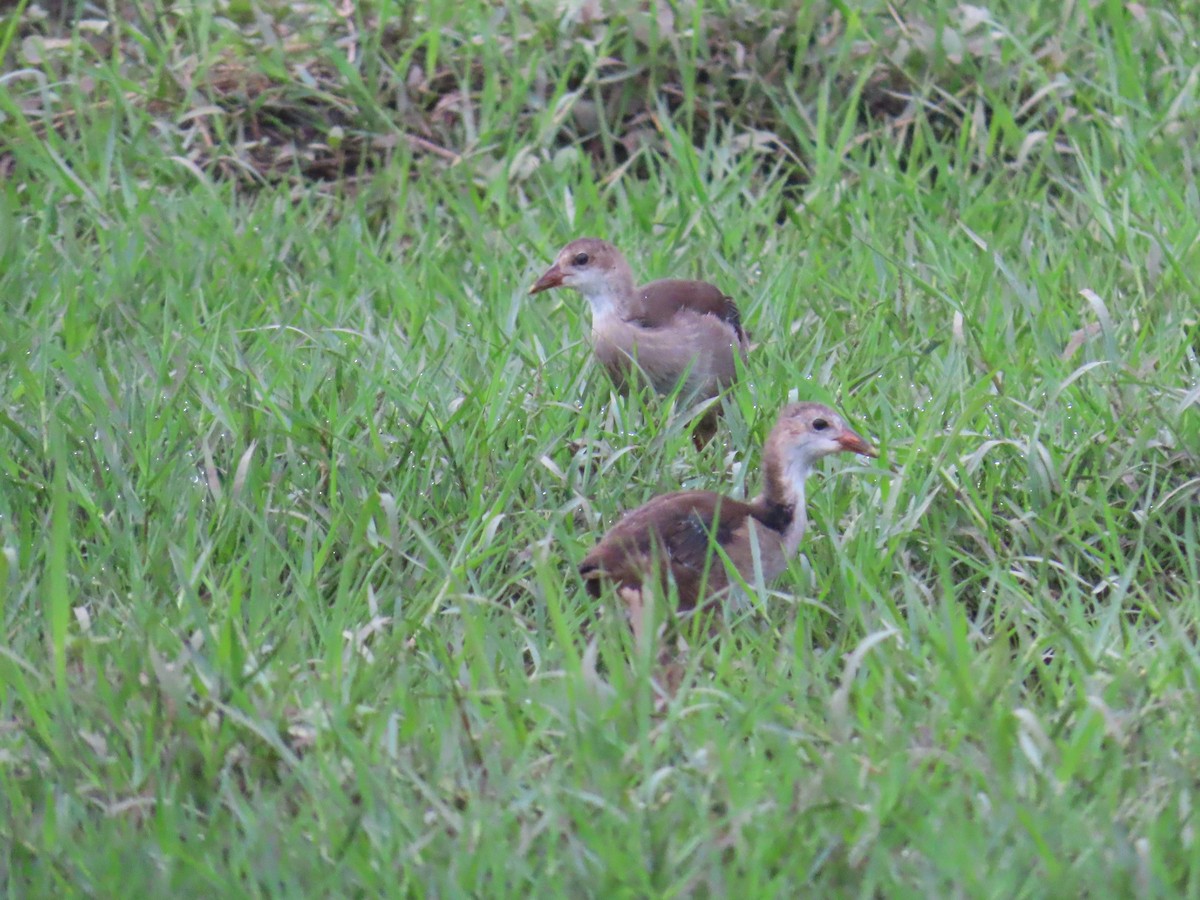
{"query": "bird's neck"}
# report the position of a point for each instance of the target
(783, 495)
(615, 298)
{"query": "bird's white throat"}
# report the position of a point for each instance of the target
(603, 301)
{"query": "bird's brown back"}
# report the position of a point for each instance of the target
(663, 300)
(673, 535)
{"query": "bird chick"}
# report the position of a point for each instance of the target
(673, 537)
(667, 331)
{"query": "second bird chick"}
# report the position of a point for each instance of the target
(676, 537)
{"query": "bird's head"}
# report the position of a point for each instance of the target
(593, 267)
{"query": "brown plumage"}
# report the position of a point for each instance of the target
(670, 331)
(674, 535)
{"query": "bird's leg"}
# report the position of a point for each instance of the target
(638, 612)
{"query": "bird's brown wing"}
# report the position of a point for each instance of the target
(662, 300)
(672, 534)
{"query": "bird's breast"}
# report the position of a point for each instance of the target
(700, 348)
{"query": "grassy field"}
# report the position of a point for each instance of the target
(294, 476)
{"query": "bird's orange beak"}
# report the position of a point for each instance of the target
(552, 277)
(852, 442)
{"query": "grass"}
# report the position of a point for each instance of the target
(296, 476)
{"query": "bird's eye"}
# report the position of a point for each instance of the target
(581, 259)
(820, 425)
